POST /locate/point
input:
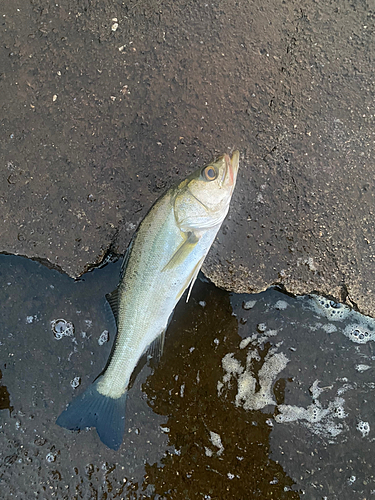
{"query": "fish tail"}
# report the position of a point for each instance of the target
(93, 409)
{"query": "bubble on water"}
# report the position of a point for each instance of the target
(363, 428)
(89, 469)
(339, 411)
(261, 327)
(104, 337)
(334, 311)
(75, 382)
(50, 457)
(359, 333)
(361, 328)
(62, 328)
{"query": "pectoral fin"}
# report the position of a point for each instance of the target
(191, 279)
(194, 277)
(182, 251)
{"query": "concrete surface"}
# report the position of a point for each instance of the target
(97, 120)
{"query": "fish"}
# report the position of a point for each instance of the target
(163, 259)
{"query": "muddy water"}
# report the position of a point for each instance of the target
(256, 396)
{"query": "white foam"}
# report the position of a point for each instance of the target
(361, 328)
(216, 441)
(281, 305)
(329, 328)
(315, 390)
(321, 421)
(232, 368)
(334, 311)
(249, 396)
(245, 342)
(289, 413)
(249, 304)
(208, 452)
(360, 333)
(362, 368)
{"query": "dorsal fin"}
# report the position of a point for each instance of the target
(112, 299)
(125, 262)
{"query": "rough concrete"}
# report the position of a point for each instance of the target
(96, 123)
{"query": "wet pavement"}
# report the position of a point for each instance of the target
(103, 106)
(261, 396)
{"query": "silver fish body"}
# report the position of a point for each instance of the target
(163, 259)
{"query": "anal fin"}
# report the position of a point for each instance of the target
(194, 277)
(155, 349)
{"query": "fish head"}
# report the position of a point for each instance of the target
(202, 200)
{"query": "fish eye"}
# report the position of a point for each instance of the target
(209, 173)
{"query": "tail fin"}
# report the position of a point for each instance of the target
(92, 409)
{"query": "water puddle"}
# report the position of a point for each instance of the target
(256, 396)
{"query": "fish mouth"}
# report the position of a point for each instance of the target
(231, 168)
